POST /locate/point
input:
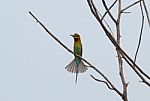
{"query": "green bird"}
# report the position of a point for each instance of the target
(77, 65)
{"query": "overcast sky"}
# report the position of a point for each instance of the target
(32, 63)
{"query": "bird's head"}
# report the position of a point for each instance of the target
(75, 36)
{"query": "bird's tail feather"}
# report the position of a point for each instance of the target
(76, 75)
(73, 68)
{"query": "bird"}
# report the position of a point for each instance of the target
(76, 65)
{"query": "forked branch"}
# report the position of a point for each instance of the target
(126, 57)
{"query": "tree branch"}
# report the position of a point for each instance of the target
(141, 32)
(131, 5)
(121, 70)
(136, 71)
(147, 14)
(134, 66)
(107, 10)
(102, 82)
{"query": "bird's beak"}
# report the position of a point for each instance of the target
(71, 35)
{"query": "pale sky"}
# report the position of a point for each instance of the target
(32, 64)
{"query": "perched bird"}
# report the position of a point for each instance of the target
(77, 65)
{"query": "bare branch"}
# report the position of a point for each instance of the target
(147, 14)
(130, 5)
(109, 9)
(106, 24)
(135, 70)
(111, 16)
(120, 61)
(102, 82)
(141, 32)
(126, 12)
(50, 33)
(140, 38)
(112, 86)
(96, 14)
(134, 66)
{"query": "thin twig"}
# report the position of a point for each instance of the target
(141, 33)
(50, 33)
(98, 13)
(147, 14)
(109, 9)
(102, 82)
(137, 72)
(126, 12)
(130, 5)
(106, 24)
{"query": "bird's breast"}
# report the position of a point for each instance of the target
(78, 49)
